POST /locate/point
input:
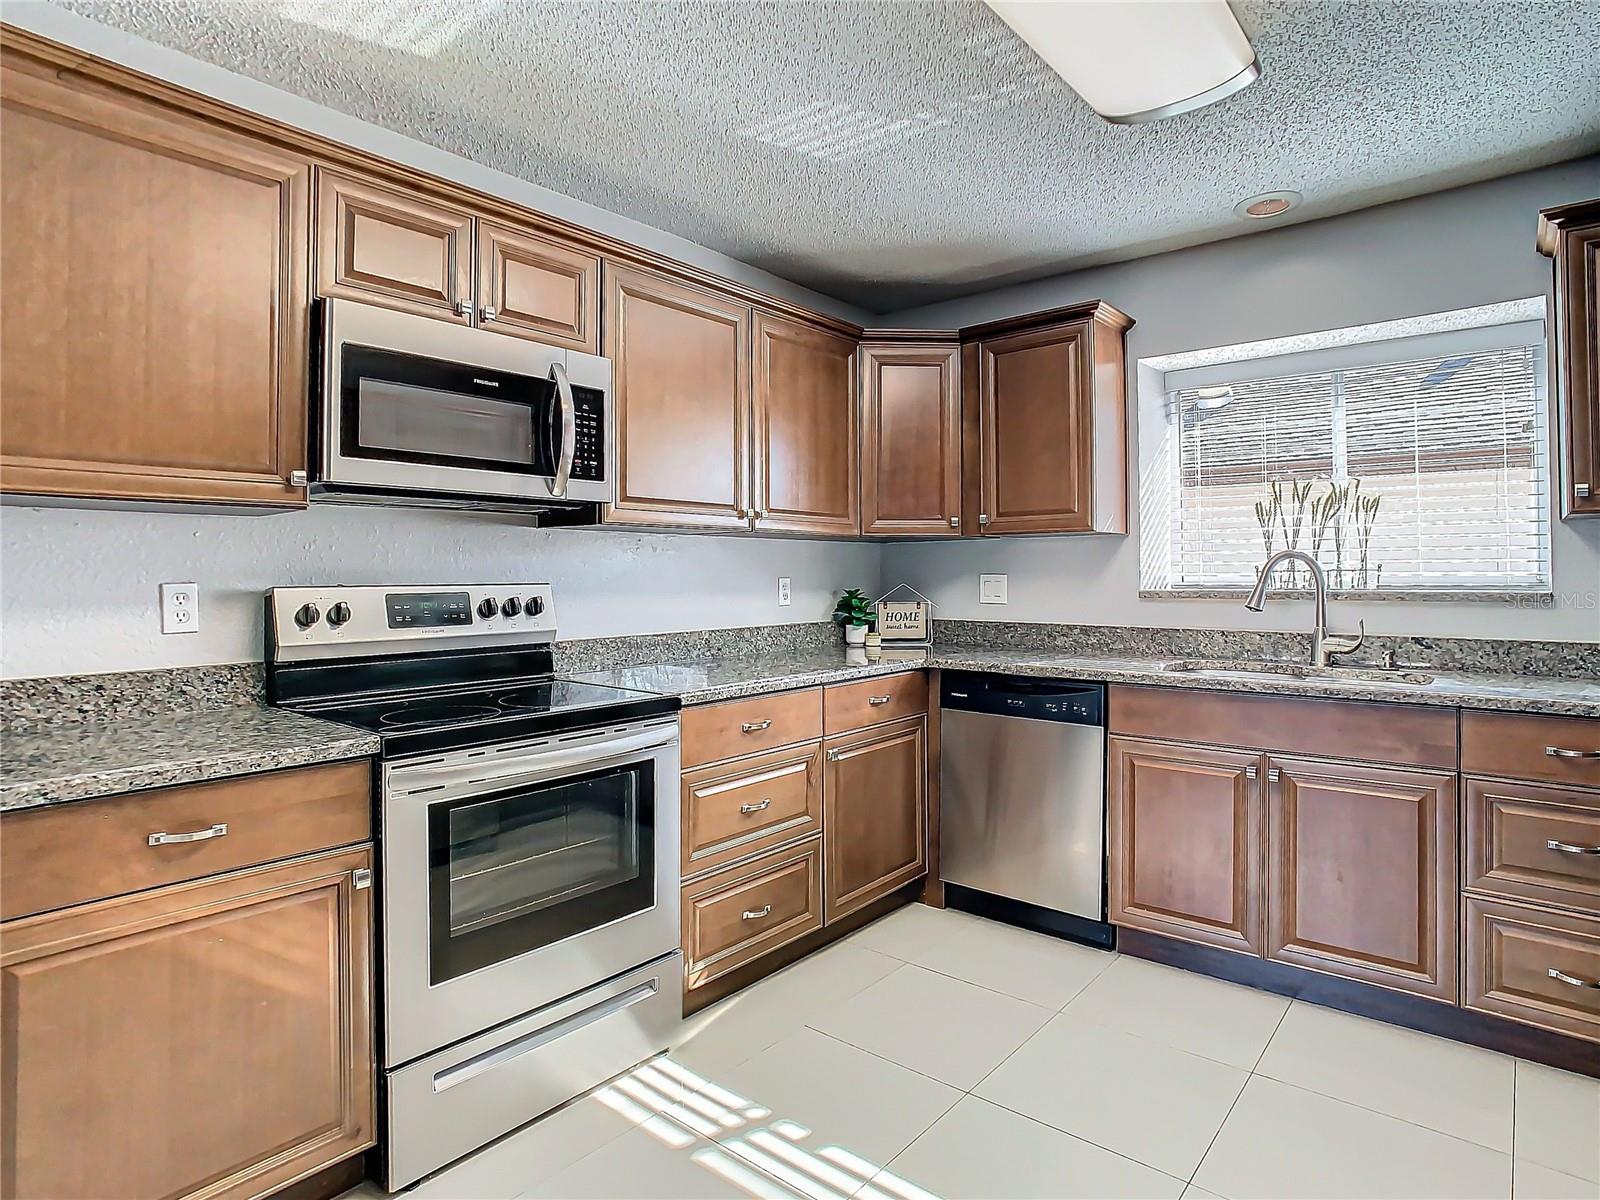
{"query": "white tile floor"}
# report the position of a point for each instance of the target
(934, 1054)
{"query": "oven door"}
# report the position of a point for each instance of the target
(419, 406)
(517, 875)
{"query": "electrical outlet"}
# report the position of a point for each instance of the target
(991, 589)
(180, 608)
(785, 596)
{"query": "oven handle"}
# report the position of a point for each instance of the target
(489, 1059)
(485, 774)
(569, 430)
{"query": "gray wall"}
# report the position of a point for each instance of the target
(1471, 246)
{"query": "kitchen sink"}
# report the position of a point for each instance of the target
(1232, 666)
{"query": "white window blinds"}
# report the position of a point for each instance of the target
(1410, 464)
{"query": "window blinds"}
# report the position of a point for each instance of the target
(1408, 473)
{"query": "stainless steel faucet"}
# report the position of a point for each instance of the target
(1323, 643)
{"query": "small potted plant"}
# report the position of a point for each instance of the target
(854, 611)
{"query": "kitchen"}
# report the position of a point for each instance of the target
(644, 879)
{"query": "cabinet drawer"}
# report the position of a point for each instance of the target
(70, 853)
(1512, 950)
(716, 731)
(1552, 749)
(735, 809)
(744, 912)
(1510, 828)
(847, 706)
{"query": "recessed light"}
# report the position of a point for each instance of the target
(1267, 204)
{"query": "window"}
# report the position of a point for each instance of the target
(1403, 461)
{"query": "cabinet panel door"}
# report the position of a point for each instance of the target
(806, 429)
(1578, 331)
(910, 440)
(1362, 871)
(537, 288)
(681, 382)
(1186, 831)
(875, 813)
(1037, 431)
(209, 1036)
(153, 335)
(390, 248)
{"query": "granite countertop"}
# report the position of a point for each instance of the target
(725, 679)
(81, 761)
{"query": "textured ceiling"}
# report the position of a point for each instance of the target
(894, 154)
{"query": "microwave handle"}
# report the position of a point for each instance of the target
(569, 430)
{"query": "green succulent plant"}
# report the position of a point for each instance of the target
(854, 609)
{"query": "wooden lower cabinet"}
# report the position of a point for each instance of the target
(207, 1039)
(1186, 825)
(875, 812)
(1362, 873)
(737, 915)
(1533, 964)
(735, 809)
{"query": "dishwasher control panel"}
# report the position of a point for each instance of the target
(1022, 696)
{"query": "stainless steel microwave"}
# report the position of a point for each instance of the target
(413, 410)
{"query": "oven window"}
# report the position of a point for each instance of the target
(398, 416)
(406, 408)
(514, 871)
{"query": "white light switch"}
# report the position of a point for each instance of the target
(785, 596)
(991, 589)
(180, 608)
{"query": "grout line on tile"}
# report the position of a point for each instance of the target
(1267, 1045)
(1224, 1123)
(1080, 1137)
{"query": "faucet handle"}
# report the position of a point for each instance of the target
(1346, 643)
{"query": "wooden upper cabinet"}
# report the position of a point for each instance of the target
(393, 248)
(805, 428)
(209, 1039)
(911, 438)
(537, 288)
(1571, 235)
(1362, 872)
(681, 382)
(1049, 431)
(875, 813)
(1185, 830)
(153, 336)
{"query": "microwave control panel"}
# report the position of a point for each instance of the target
(589, 454)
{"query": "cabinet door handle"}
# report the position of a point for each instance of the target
(755, 726)
(298, 478)
(1569, 848)
(1564, 752)
(1557, 973)
(1273, 775)
(955, 522)
(760, 804)
(983, 518)
(361, 878)
(834, 755)
(1581, 490)
(755, 914)
(1250, 771)
(875, 701)
(464, 307)
(198, 835)
(488, 312)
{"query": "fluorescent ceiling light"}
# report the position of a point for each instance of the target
(1138, 60)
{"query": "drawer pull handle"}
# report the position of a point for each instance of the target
(1563, 752)
(760, 804)
(1570, 980)
(755, 914)
(1569, 848)
(755, 726)
(877, 700)
(199, 835)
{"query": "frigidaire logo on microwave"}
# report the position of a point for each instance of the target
(486, 382)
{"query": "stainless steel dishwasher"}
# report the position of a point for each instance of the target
(1022, 801)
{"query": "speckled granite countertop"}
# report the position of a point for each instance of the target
(82, 761)
(725, 679)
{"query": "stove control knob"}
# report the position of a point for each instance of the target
(512, 607)
(534, 605)
(307, 616)
(338, 614)
(488, 607)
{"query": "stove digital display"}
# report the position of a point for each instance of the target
(421, 610)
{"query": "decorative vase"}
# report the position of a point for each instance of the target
(855, 635)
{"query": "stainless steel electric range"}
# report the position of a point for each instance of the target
(528, 851)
